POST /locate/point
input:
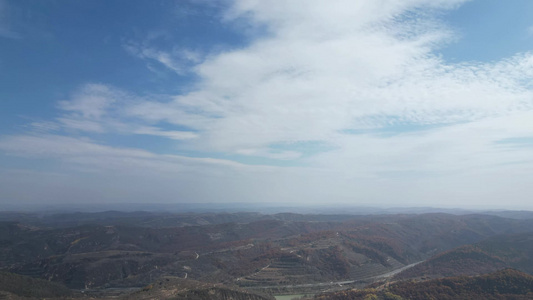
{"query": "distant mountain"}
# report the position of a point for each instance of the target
(512, 214)
(159, 219)
(504, 284)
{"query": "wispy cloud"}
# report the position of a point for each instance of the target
(95, 172)
(97, 108)
(172, 134)
(178, 59)
(92, 101)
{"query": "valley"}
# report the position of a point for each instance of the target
(116, 254)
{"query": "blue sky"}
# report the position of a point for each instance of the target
(394, 103)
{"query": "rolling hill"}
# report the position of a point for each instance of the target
(262, 253)
(491, 254)
(504, 284)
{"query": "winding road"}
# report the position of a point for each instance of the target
(325, 284)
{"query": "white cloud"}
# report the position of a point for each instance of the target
(328, 68)
(358, 76)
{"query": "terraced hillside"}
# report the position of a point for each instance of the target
(269, 252)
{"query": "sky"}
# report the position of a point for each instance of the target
(302, 102)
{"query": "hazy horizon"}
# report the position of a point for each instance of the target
(415, 103)
(247, 207)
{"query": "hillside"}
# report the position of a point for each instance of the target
(494, 253)
(24, 286)
(278, 253)
(176, 288)
(13, 286)
(504, 284)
